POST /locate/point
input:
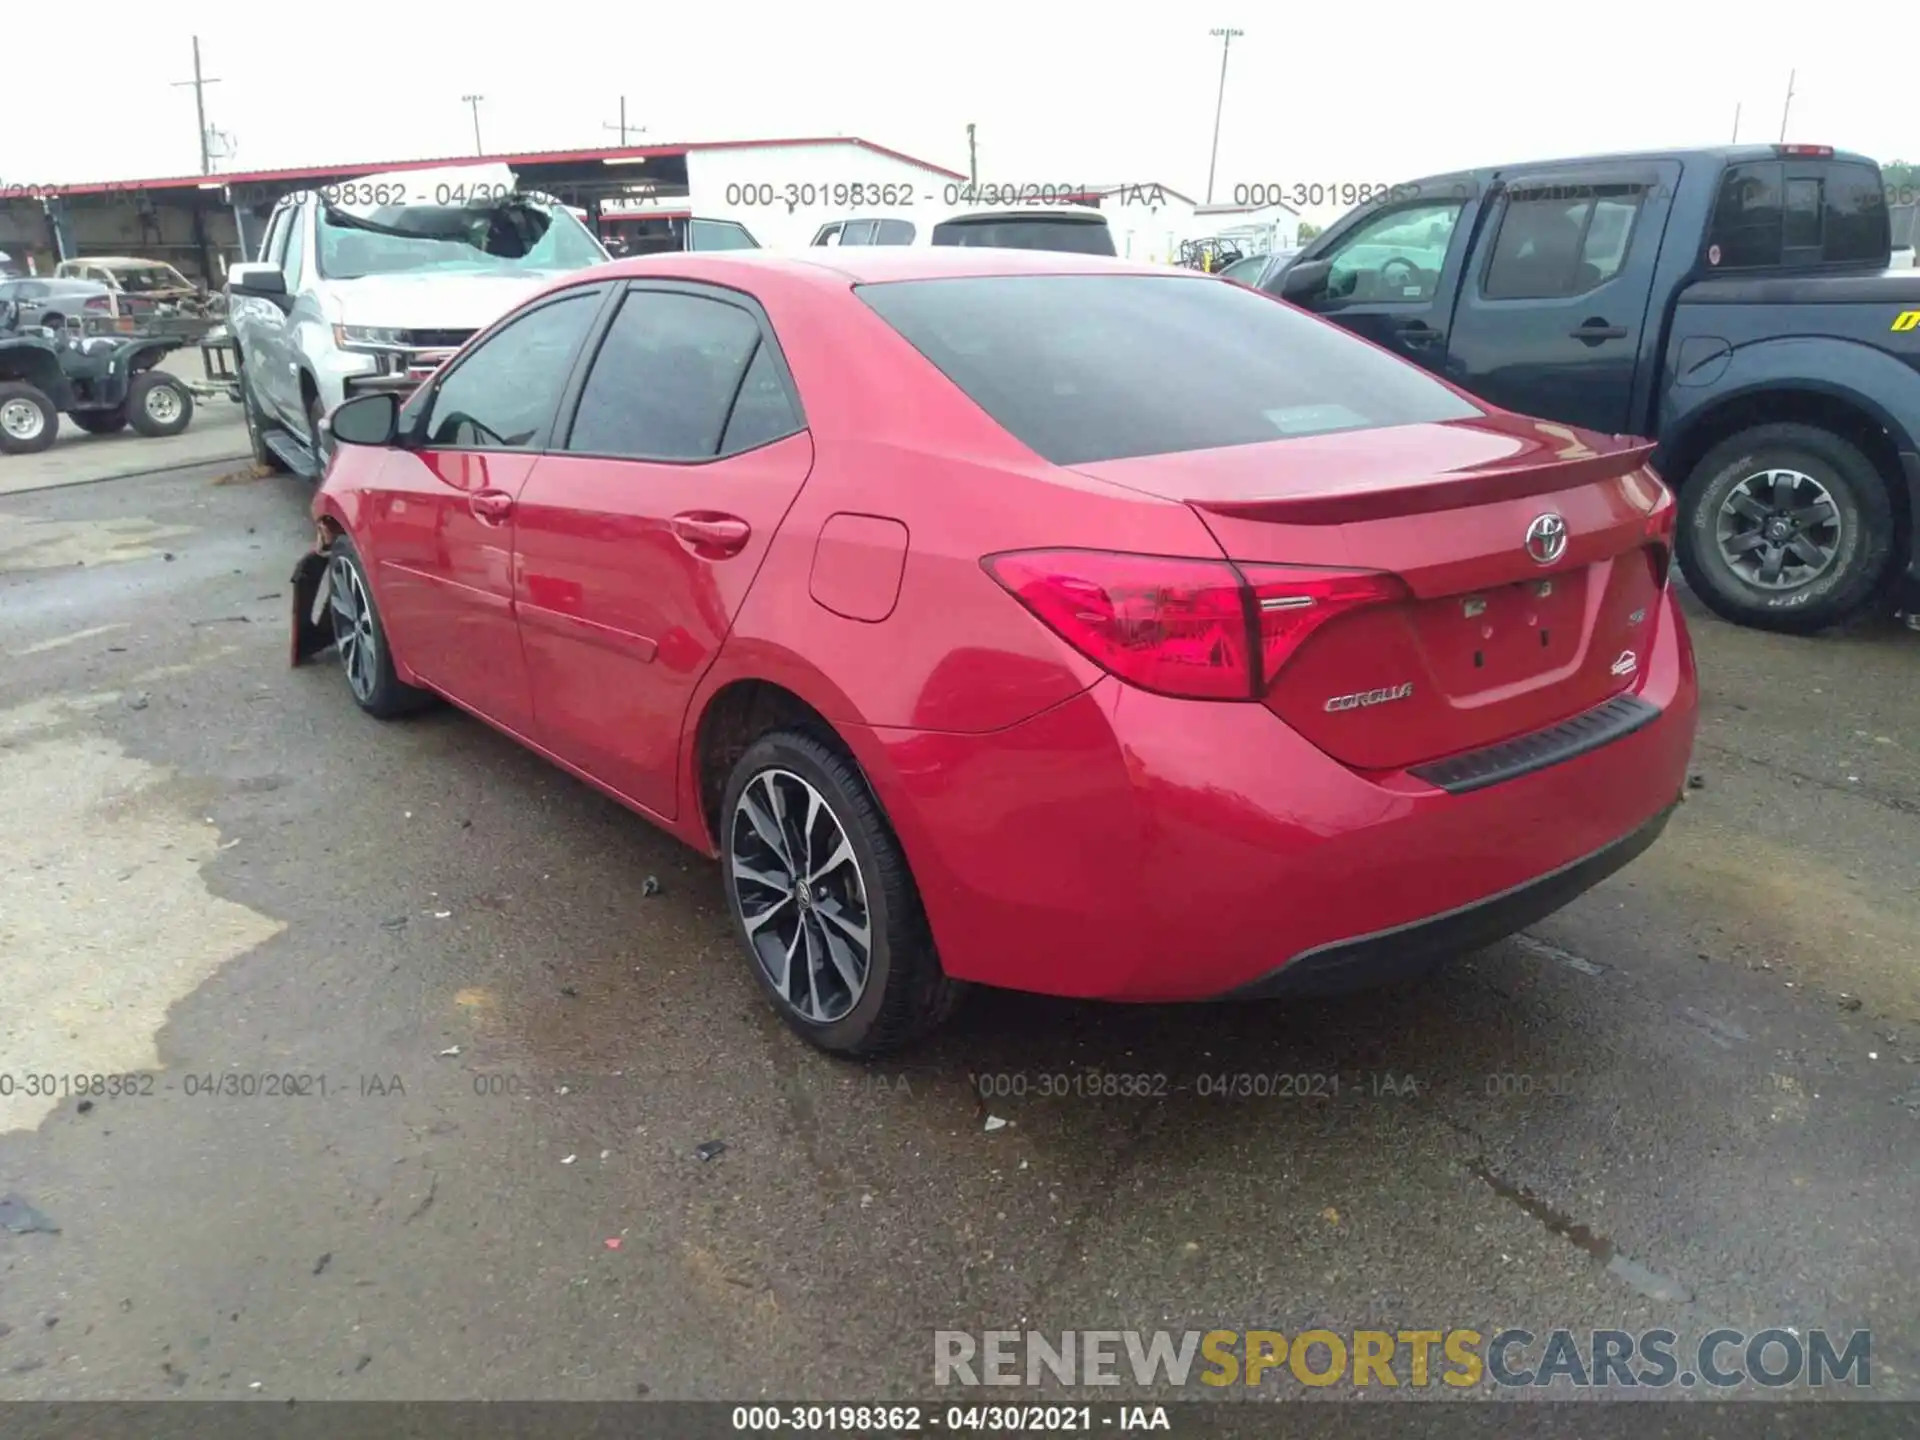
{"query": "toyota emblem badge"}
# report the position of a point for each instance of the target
(1547, 538)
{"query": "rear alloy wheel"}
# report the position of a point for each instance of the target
(28, 421)
(101, 422)
(1785, 527)
(158, 404)
(821, 892)
(360, 640)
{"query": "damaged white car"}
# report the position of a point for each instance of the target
(372, 284)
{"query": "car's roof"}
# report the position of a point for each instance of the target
(1731, 154)
(114, 262)
(873, 264)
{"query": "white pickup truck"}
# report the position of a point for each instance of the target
(373, 283)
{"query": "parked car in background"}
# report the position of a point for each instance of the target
(630, 235)
(1040, 620)
(1734, 303)
(53, 302)
(1078, 229)
(139, 286)
(1254, 270)
(346, 297)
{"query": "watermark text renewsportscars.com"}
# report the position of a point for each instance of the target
(1456, 1358)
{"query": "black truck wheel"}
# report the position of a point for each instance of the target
(100, 422)
(28, 421)
(158, 404)
(1785, 527)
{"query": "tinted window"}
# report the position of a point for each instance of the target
(857, 232)
(1035, 232)
(502, 396)
(1558, 242)
(665, 379)
(1098, 367)
(721, 235)
(1800, 216)
(1396, 255)
(894, 232)
(764, 411)
(1856, 215)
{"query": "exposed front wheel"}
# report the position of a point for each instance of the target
(821, 892)
(360, 639)
(28, 421)
(158, 404)
(1785, 527)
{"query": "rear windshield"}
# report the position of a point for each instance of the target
(1778, 214)
(1039, 232)
(1082, 368)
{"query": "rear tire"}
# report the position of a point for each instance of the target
(28, 421)
(360, 640)
(101, 422)
(158, 404)
(859, 892)
(1785, 527)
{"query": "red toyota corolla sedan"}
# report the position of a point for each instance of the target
(1034, 620)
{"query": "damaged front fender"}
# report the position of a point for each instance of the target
(312, 626)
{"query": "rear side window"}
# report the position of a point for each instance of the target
(667, 378)
(1038, 232)
(894, 232)
(1812, 215)
(720, 235)
(1082, 368)
(1556, 242)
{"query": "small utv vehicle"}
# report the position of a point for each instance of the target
(102, 382)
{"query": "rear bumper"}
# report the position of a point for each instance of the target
(1408, 950)
(1127, 846)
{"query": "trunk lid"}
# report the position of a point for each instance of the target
(1499, 629)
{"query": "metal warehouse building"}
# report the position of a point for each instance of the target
(781, 190)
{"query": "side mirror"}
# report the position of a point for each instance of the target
(367, 420)
(264, 281)
(1304, 279)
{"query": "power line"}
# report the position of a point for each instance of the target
(199, 84)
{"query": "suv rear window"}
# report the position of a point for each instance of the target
(1039, 232)
(1817, 215)
(1081, 368)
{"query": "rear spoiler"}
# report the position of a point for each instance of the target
(1451, 491)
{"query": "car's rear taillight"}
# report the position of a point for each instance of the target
(1292, 602)
(1199, 629)
(1659, 531)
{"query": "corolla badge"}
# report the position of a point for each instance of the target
(1364, 698)
(1627, 663)
(1547, 538)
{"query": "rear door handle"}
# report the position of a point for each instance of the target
(1595, 331)
(491, 507)
(711, 535)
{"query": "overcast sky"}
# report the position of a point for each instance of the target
(1063, 92)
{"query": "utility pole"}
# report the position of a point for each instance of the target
(1225, 37)
(973, 162)
(622, 127)
(199, 84)
(1788, 105)
(474, 101)
(1736, 122)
